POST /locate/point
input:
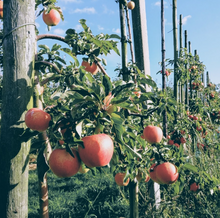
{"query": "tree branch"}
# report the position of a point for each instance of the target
(50, 36)
(48, 64)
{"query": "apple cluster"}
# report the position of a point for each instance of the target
(97, 150)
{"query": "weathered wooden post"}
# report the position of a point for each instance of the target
(187, 72)
(175, 46)
(123, 40)
(18, 80)
(141, 50)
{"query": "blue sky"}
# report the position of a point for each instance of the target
(201, 19)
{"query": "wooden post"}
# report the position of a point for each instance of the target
(123, 40)
(141, 48)
(190, 82)
(182, 100)
(163, 50)
(187, 73)
(133, 198)
(207, 78)
(175, 45)
(18, 79)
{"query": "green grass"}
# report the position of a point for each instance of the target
(80, 196)
(87, 196)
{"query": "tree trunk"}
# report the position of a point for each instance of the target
(18, 79)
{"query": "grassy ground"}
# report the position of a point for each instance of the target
(82, 195)
(89, 196)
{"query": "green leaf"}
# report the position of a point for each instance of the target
(45, 47)
(69, 52)
(42, 165)
(84, 26)
(104, 62)
(119, 101)
(190, 167)
(148, 82)
(119, 88)
(114, 36)
(27, 135)
(71, 32)
(82, 92)
(56, 47)
(107, 84)
(176, 188)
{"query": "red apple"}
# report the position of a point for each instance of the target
(167, 173)
(52, 18)
(170, 142)
(131, 5)
(98, 150)
(195, 117)
(107, 100)
(119, 179)
(194, 187)
(153, 134)
(37, 119)
(1, 9)
(63, 164)
(93, 68)
(182, 140)
(177, 145)
(140, 177)
(153, 175)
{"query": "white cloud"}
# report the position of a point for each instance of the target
(59, 31)
(37, 24)
(184, 20)
(84, 10)
(117, 31)
(158, 3)
(106, 10)
(100, 27)
(78, 27)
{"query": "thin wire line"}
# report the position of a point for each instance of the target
(16, 29)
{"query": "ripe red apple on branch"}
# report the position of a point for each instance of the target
(92, 68)
(165, 173)
(98, 150)
(131, 5)
(119, 179)
(52, 18)
(63, 164)
(141, 177)
(153, 134)
(37, 119)
(1, 9)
